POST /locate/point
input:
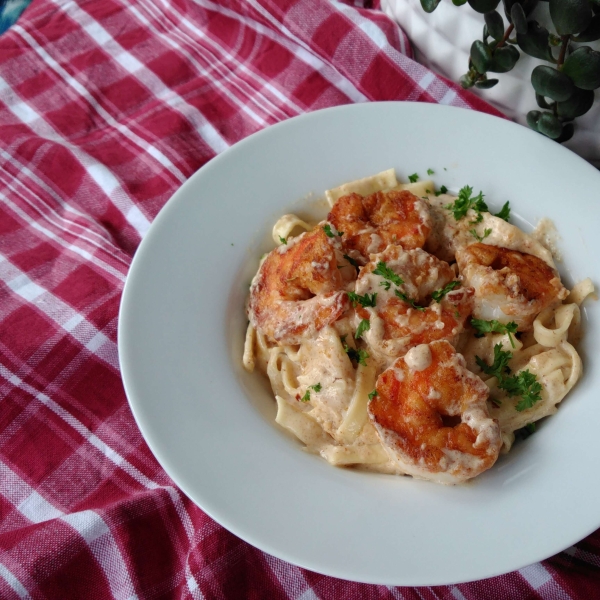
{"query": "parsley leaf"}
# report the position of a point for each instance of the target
(365, 301)
(494, 326)
(283, 240)
(500, 365)
(524, 384)
(413, 178)
(408, 300)
(465, 201)
(360, 356)
(430, 171)
(329, 233)
(363, 326)
(505, 212)
(443, 190)
(486, 232)
(306, 397)
(385, 272)
(373, 394)
(439, 294)
(530, 427)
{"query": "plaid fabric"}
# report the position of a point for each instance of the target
(106, 108)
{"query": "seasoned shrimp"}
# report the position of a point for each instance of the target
(509, 285)
(431, 415)
(298, 289)
(404, 313)
(373, 222)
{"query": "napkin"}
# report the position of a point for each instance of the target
(106, 108)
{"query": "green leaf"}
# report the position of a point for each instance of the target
(466, 81)
(551, 83)
(532, 119)
(495, 24)
(481, 56)
(578, 104)
(459, 2)
(518, 18)
(583, 67)
(504, 59)
(483, 6)
(429, 5)
(486, 84)
(528, 6)
(535, 41)
(567, 133)
(541, 101)
(570, 16)
(363, 326)
(591, 33)
(549, 125)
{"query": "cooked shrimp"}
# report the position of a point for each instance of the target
(298, 289)
(509, 285)
(405, 314)
(431, 415)
(373, 222)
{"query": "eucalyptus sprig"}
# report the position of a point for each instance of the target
(564, 89)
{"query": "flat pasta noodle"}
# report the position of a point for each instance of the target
(552, 326)
(285, 225)
(581, 291)
(366, 186)
(356, 416)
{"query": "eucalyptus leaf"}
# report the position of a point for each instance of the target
(551, 83)
(591, 33)
(518, 18)
(483, 6)
(567, 132)
(429, 5)
(541, 101)
(578, 104)
(504, 59)
(486, 84)
(495, 24)
(535, 42)
(481, 56)
(532, 119)
(549, 125)
(583, 67)
(570, 16)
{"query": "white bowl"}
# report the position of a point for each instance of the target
(442, 41)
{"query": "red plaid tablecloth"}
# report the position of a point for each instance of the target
(106, 108)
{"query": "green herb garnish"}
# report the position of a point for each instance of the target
(505, 212)
(360, 356)
(439, 294)
(385, 272)
(364, 301)
(363, 326)
(306, 397)
(478, 237)
(494, 326)
(408, 300)
(500, 365)
(283, 240)
(413, 178)
(329, 233)
(373, 394)
(443, 190)
(524, 384)
(430, 171)
(466, 201)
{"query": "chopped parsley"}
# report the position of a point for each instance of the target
(479, 238)
(306, 397)
(504, 213)
(443, 190)
(373, 394)
(283, 240)
(439, 294)
(430, 171)
(413, 178)
(363, 326)
(494, 326)
(524, 384)
(408, 300)
(364, 301)
(530, 428)
(329, 233)
(385, 272)
(500, 365)
(466, 201)
(360, 356)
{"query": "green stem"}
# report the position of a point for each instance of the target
(563, 50)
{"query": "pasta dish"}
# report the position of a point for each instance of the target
(412, 332)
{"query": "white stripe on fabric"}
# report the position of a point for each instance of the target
(59, 312)
(426, 80)
(536, 575)
(192, 584)
(75, 249)
(214, 64)
(300, 49)
(448, 98)
(15, 585)
(146, 77)
(457, 593)
(102, 176)
(97, 535)
(308, 595)
(80, 89)
(68, 418)
(37, 509)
